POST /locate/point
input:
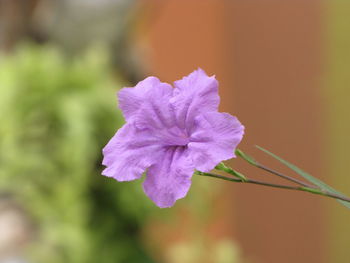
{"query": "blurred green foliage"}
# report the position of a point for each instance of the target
(202, 250)
(56, 114)
(336, 93)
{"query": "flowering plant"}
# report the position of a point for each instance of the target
(172, 133)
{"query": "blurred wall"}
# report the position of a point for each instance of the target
(277, 63)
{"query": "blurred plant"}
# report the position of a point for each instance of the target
(55, 114)
(200, 250)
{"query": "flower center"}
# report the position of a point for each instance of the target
(175, 137)
(182, 140)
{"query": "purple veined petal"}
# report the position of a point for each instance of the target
(131, 100)
(169, 179)
(156, 113)
(194, 94)
(214, 139)
(129, 153)
(157, 116)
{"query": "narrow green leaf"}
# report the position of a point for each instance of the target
(246, 157)
(307, 176)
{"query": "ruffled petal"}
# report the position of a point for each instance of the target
(129, 153)
(194, 94)
(157, 115)
(170, 178)
(156, 112)
(215, 137)
(131, 100)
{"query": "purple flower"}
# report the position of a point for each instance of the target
(170, 132)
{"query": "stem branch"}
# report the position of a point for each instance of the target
(309, 189)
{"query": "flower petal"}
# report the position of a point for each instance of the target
(157, 115)
(194, 94)
(214, 139)
(129, 153)
(132, 99)
(170, 178)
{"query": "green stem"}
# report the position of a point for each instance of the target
(297, 188)
(262, 167)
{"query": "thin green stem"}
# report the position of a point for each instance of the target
(286, 177)
(312, 190)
